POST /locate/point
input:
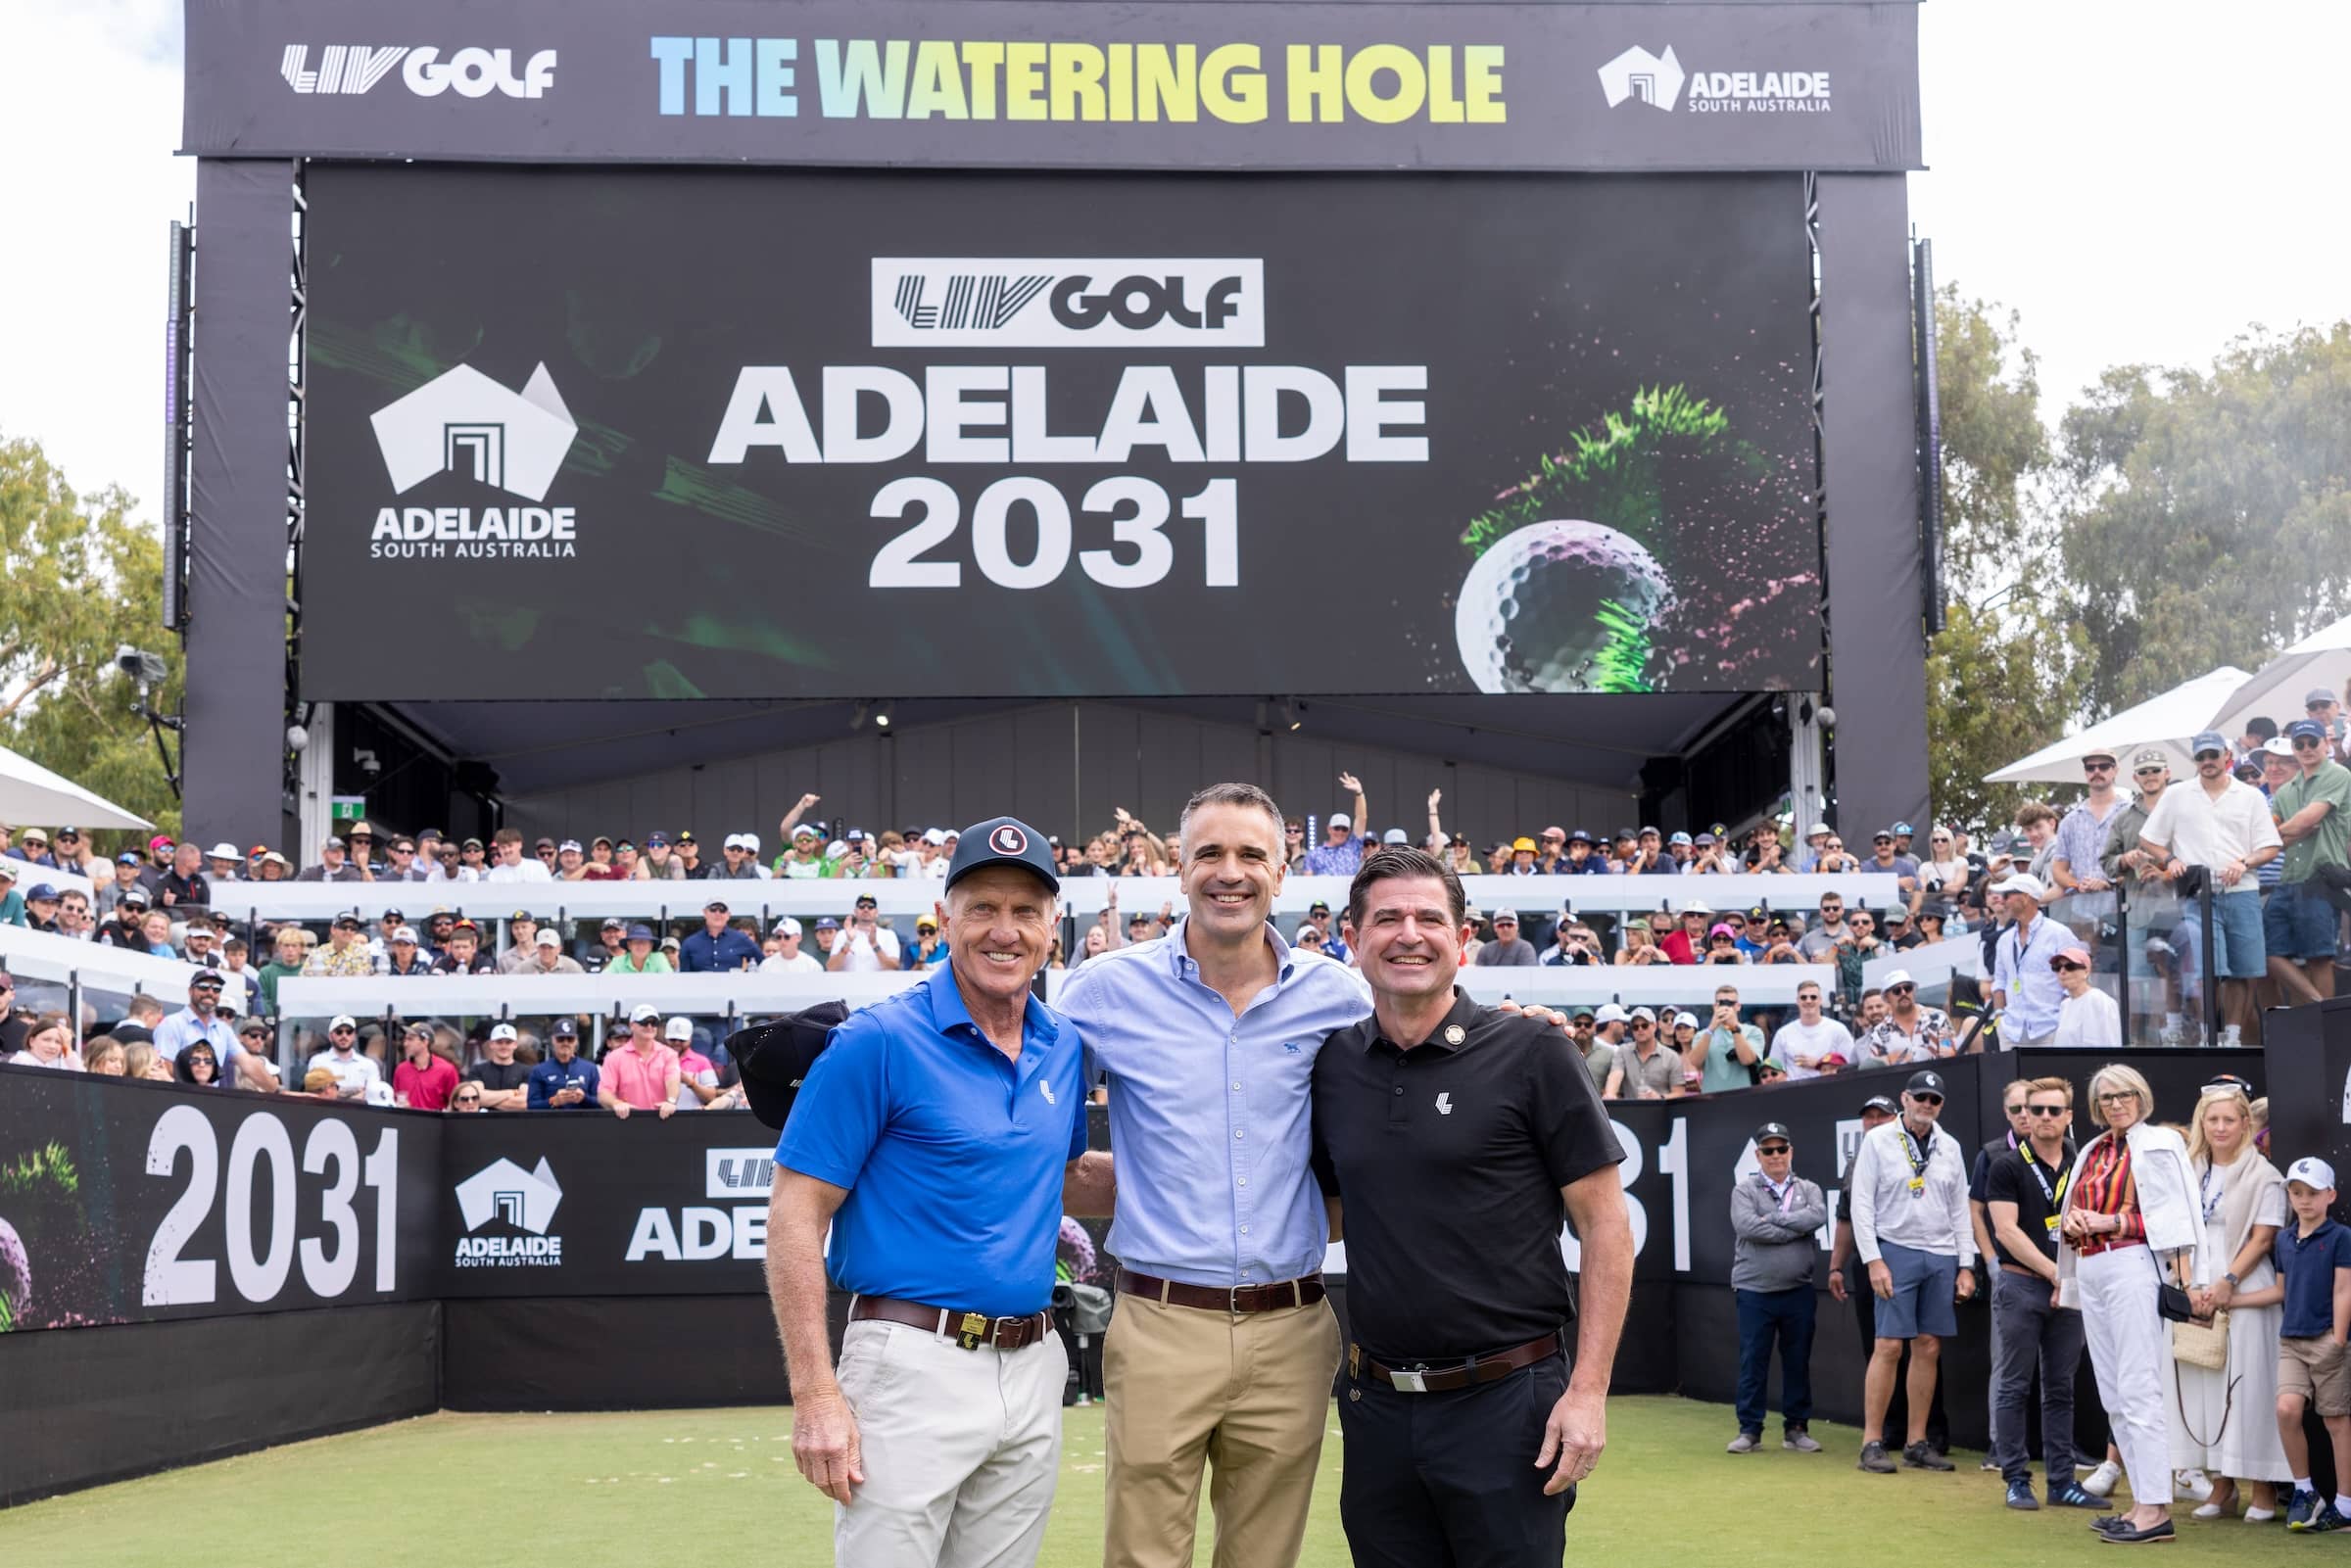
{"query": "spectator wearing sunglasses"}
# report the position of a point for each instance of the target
(2086, 1017)
(1908, 1034)
(200, 1021)
(1776, 1218)
(1911, 1227)
(356, 1072)
(246, 1064)
(2023, 1197)
(2311, 816)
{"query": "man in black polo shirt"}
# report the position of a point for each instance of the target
(1458, 1155)
(2023, 1196)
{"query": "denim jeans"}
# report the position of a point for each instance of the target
(1786, 1316)
(2033, 1333)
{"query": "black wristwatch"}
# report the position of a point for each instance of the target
(2232, 1279)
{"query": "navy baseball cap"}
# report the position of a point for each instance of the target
(2208, 740)
(1903, 829)
(1924, 1082)
(2306, 730)
(640, 934)
(1579, 836)
(1002, 842)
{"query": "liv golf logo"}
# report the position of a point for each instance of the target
(463, 423)
(504, 1193)
(1068, 303)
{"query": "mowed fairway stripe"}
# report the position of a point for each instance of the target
(648, 1488)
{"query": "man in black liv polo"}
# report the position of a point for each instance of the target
(1458, 1138)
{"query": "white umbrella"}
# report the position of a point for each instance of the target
(2168, 721)
(2321, 660)
(31, 796)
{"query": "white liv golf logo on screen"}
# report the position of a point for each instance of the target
(503, 1193)
(1068, 303)
(461, 422)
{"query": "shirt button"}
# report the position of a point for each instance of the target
(1244, 1181)
(1244, 1230)
(1237, 1088)
(1238, 1134)
(1399, 1088)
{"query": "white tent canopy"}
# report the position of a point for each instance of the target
(2321, 659)
(2168, 721)
(31, 796)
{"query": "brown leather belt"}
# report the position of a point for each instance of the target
(1279, 1296)
(971, 1330)
(1425, 1378)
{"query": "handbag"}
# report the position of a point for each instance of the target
(2173, 1306)
(2204, 1345)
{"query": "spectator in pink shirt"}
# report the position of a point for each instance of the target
(642, 1073)
(698, 1078)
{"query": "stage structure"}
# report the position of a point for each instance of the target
(1506, 396)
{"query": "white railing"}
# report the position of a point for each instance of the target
(744, 994)
(1682, 985)
(1931, 964)
(1084, 896)
(29, 954)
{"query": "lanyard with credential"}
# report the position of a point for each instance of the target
(2053, 1196)
(1918, 1158)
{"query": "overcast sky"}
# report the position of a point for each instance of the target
(2142, 181)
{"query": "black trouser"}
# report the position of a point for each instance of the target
(1898, 1409)
(1449, 1480)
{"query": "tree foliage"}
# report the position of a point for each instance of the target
(1996, 673)
(2207, 516)
(79, 578)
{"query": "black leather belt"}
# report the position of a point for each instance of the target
(1421, 1378)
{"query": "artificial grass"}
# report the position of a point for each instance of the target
(643, 1488)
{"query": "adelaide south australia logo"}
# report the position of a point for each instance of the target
(506, 1212)
(465, 425)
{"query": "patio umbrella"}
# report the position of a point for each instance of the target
(2168, 721)
(2321, 660)
(31, 796)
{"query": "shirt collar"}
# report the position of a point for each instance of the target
(1463, 1014)
(949, 1015)
(1182, 964)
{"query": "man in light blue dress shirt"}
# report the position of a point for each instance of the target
(1224, 1349)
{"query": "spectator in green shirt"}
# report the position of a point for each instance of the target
(287, 961)
(2298, 923)
(640, 959)
(1733, 1048)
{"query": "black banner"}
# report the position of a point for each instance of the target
(805, 434)
(124, 1202)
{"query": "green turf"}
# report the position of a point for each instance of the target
(646, 1489)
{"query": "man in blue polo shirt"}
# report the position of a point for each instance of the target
(718, 948)
(940, 1136)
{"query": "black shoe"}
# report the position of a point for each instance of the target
(2105, 1522)
(1919, 1456)
(2067, 1494)
(2123, 1534)
(2019, 1496)
(1875, 1459)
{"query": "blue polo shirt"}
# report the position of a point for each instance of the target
(552, 1077)
(2308, 1265)
(703, 954)
(953, 1155)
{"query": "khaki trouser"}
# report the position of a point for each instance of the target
(1248, 1393)
(961, 1450)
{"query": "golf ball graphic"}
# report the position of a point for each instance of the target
(1546, 604)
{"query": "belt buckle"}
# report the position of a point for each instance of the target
(1408, 1379)
(1232, 1299)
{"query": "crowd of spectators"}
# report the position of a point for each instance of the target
(2040, 896)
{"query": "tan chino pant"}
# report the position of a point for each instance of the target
(1249, 1395)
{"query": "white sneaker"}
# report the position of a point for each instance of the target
(2100, 1482)
(2196, 1483)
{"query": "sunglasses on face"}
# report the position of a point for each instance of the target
(342, 1032)
(1927, 1098)
(2305, 744)
(1771, 1149)
(469, 1099)
(200, 1062)
(2071, 969)
(1900, 991)
(2047, 1110)
(2097, 767)
(2157, 773)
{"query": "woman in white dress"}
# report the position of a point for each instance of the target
(2219, 1423)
